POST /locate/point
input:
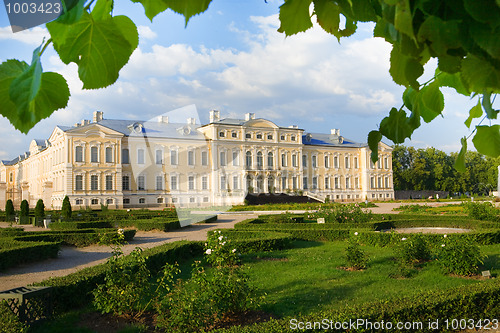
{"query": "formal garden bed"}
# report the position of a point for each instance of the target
(273, 272)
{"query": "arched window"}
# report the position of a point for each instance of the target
(270, 160)
(249, 159)
(260, 160)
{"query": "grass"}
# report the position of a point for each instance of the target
(306, 278)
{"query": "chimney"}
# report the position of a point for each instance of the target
(214, 116)
(163, 119)
(335, 131)
(249, 116)
(293, 126)
(191, 121)
(97, 116)
(83, 122)
(77, 124)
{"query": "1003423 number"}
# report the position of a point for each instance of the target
(471, 324)
(33, 8)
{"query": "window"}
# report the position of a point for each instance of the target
(223, 182)
(94, 183)
(379, 182)
(356, 182)
(356, 163)
(259, 136)
(159, 182)
(79, 182)
(327, 182)
(248, 159)
(142, 200)
(109, 155)
(347, 182)
(140, 156)
(248, 136)
(191, 200)
(94, 154)
(372, 182)
(191, 157)
(346, 162)
(270, 184)
(191, 182)
(173, 157)
(270, 160)
(173, 182)
(204, 158)
(159, 200)
(292, 138)
(204, 183)
(315, 183)
(282, 138)
(221, 134)
(386, 162)
(236, 182)
(327, 161)
(79, 154)
(379, 163)
(125, 156)
(294, 182)
(234, 135)
(109, 201)
(304, 182)
(125, 183)
(79, 202)
(304, 161)
(205, 199)
(11, 177)
(159, 157)
(337, 183)
(386, 182)
(294, 160)
(336, 162)
(94, 201)
(283, 160)
(236, 158)
(269, 137)
(283, 183)
(260, 160)
(126, 201)
(222, 158)
(141, 183)
(314, 161)
(109, 182)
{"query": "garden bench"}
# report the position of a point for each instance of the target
(30, 304)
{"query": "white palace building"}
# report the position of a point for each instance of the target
(124, 163)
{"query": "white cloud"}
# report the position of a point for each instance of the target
(146, 32)
(32, 36)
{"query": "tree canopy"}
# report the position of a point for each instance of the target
(463, 35)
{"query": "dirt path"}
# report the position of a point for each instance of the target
(73, 259)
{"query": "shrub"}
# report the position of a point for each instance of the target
(413, 249)
(342, 213)
(25, 208)
(66, 209)
(9, 210)
(460, 255)
(39, 209)
(218, 250)
(355, 256)
(481, 211)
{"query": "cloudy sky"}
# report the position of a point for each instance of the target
(231, 58)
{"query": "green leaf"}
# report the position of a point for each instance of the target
(409, 96)
(294, 16)
(188, 8)
(480, 75)
(474, 112)
(442, 35)
(460, 161)
(152, 7)
(484, 11)
(374, 137)
(488, 108)
(100, 47)
(28, 95)
(405, 70)
(453, 81)
(73, 11)
(488, 39)
(328, 16)
(433, 102)
(396, 126)
(450, 64)
(403, 19)
(359, 10)
(102, 10)
(487, 140)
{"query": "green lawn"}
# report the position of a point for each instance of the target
(306, 278)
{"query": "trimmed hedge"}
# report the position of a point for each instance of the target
(256, 241)
(153, 224)
(72, 225)
(14, 252)
(478, 301)
(78, 238)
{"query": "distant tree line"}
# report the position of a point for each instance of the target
(432, 169)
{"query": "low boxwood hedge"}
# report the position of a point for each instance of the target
(477, 302)
(14, 252)
(153, 224)
(256, 241)
(79, 237)
(71, 225)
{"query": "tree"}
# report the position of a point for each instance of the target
(462, 35)
(9, 210)
(39, 209)
(25, 208)
(66, 208)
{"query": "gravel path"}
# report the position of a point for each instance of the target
(72, 259)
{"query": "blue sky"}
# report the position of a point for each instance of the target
(231, 58)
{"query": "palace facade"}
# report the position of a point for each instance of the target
(123, 163)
